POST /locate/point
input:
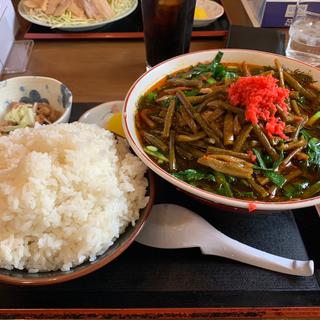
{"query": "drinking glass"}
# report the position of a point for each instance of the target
(167, 26)
(304, 33)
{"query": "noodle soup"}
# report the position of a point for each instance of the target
(240, 130)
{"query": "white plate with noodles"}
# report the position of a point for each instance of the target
(75, 15)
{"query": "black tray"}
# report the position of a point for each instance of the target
(129, 27)
(145, 277)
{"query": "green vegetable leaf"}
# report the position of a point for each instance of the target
(290, 191)
(192, 175)
(259, 158)
(151, 96)
(221, 190)
(231, 179)
(302, 184)
(266, 159)
(294, 190)
(153, 151)
(306, 134)
(224, 186)
(211, 80)
(313, 148)
(192, 92)
(277, 163)
(199, 69)
(218, 70)
(216, 62)
(275, 177)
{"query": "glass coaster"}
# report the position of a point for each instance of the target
(19, 56)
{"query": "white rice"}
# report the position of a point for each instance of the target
(67, 192)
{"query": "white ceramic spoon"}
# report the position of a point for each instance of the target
(172, 227)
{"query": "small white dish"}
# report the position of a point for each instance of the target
(77, 27)
(100, 114)
(213, 9)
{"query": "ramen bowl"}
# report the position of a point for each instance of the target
(153, 76)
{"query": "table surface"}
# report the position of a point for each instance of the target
(103, 70)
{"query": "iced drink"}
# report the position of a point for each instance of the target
(167, 28)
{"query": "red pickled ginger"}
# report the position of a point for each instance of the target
(259, 95)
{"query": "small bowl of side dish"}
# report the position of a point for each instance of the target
(206, 12)
(29, 100)
(270, 163)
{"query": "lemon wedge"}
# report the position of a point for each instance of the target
(114, 124)
(200, 13)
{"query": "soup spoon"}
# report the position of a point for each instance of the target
(171, 226)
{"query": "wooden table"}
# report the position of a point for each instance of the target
(96, 71)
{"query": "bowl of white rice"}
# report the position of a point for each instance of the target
(72, 198)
